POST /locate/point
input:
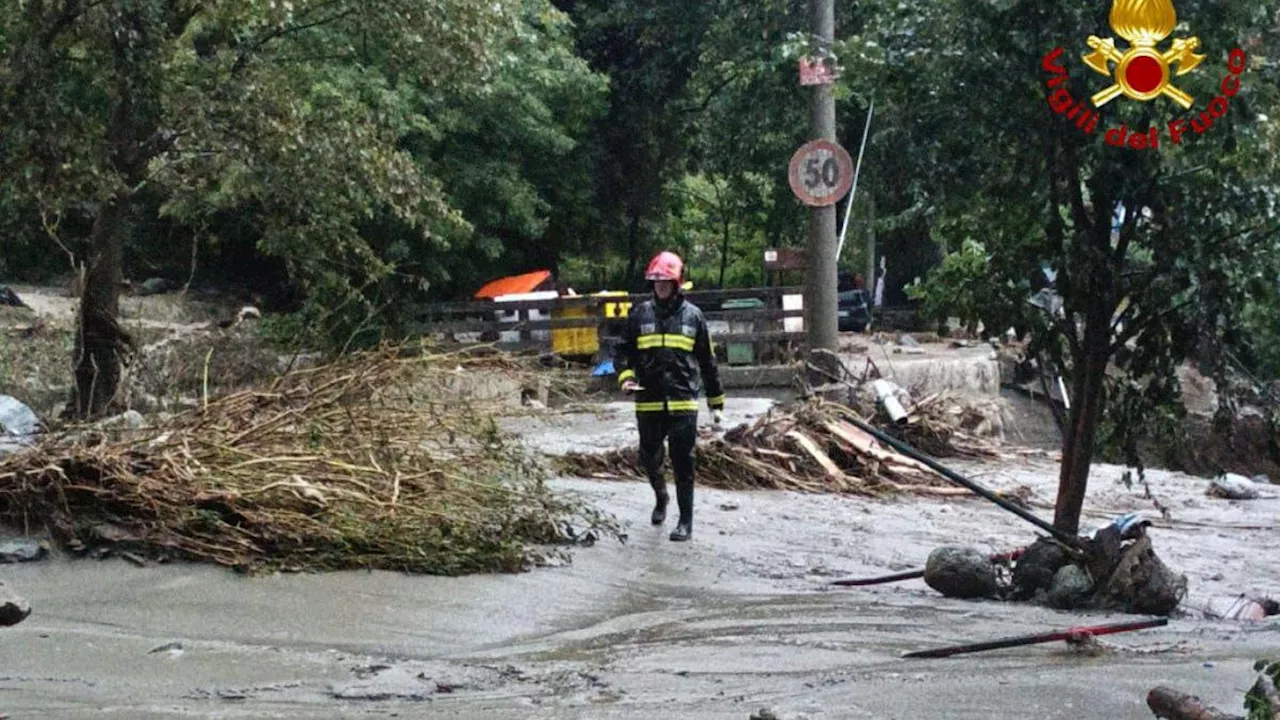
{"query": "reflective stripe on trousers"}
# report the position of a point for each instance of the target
(667, 405)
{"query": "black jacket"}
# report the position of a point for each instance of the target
(667, 349)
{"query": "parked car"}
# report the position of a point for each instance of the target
(853, 305)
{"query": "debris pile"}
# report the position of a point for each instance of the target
(812, 447)
(356, 464)
(1115, 570)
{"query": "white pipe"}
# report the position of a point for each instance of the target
(853, 191)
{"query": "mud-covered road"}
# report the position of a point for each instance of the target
(735, 621)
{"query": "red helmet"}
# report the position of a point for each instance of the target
(665, 266)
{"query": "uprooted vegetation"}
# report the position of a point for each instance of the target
(369, 462)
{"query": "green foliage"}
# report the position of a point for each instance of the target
(1255, 702)
(959, 287)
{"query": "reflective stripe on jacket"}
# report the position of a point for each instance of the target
(668, 351)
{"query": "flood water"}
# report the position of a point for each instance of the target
(735, 621)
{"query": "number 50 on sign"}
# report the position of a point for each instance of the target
(821, 173)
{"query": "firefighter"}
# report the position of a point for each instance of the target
(664, 359)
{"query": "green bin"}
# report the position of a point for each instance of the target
(741, 353)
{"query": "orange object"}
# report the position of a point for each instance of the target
(514, 285)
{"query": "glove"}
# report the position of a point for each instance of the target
(631, 386)
(717, 418)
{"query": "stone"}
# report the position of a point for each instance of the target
(16, 550)
(1035, 570)
(17, 424)
(961, 572)
(13, 609)
(1071, 588)
(1233, 487)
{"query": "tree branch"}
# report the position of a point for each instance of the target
(243, 57)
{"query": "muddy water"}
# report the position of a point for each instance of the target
(717, 628)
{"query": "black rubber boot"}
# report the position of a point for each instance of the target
(661, 498)
(684, 498)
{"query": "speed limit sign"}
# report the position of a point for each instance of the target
(821, 173)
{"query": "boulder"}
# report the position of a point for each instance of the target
(1036, 569)
(961, 572)
(1071, 588)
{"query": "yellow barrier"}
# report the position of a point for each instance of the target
(615, 309)
(574, 341)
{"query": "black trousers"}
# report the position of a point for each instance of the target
(680, 430)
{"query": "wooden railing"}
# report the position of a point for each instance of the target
(457, 320)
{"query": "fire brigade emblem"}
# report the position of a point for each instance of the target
(1143, 72)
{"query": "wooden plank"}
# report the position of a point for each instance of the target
(816, 453)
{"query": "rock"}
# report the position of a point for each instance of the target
(10, 298)
(248, 312)
(16, 550)
(1262, 480)
(1035, 570)
(1071, 588)
(13, 609)
(960, 572)
(907, 341)
(17, 421)
(764, 714)
(1233, 487)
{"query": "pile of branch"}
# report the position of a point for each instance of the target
(356, 464)
(808, 447)
(945, 425)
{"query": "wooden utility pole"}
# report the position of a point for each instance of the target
(820, 273)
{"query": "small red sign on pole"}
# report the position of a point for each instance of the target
(816, 71)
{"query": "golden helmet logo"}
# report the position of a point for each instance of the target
(1143, 71)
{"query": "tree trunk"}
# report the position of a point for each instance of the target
(1086, 413)
(100, 342)
(1173, 705)
(101, 345)
(1090, 373)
